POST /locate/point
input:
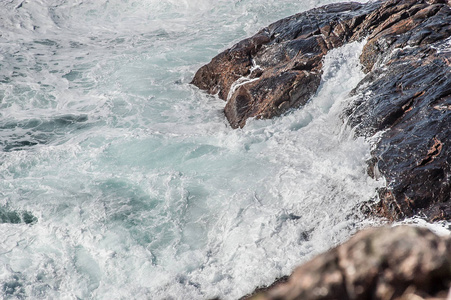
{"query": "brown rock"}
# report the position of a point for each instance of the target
(384, 263)
(279, 68)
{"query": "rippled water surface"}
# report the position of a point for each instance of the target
(119, 180)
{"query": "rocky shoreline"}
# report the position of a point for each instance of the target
(404, 100)
(405, 96)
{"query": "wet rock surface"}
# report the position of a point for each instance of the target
(405, 97)
(381, 263)
(279, 68)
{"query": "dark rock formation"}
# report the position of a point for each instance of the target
(406, 93)
(280, 67)
(384, 263)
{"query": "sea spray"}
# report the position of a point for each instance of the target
(136, 185)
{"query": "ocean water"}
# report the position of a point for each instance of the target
(120, 180)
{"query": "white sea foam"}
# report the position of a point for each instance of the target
(139, 186)
(441, 228)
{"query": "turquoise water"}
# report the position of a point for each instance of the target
(119, 180)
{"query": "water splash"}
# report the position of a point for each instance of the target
(139, 187)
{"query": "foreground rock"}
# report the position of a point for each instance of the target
(384, 263)
(406, 94)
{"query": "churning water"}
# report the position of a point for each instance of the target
(119, 180)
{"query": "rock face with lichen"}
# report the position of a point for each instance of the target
(397, 263)
(405, 96)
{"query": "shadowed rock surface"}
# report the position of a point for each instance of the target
(389, 263)
(406, 95)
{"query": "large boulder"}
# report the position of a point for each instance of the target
(405, 97)
(388, 263)
(280, 67)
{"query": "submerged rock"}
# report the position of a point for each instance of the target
(16, 217)
(381, 263)
(406, 95)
